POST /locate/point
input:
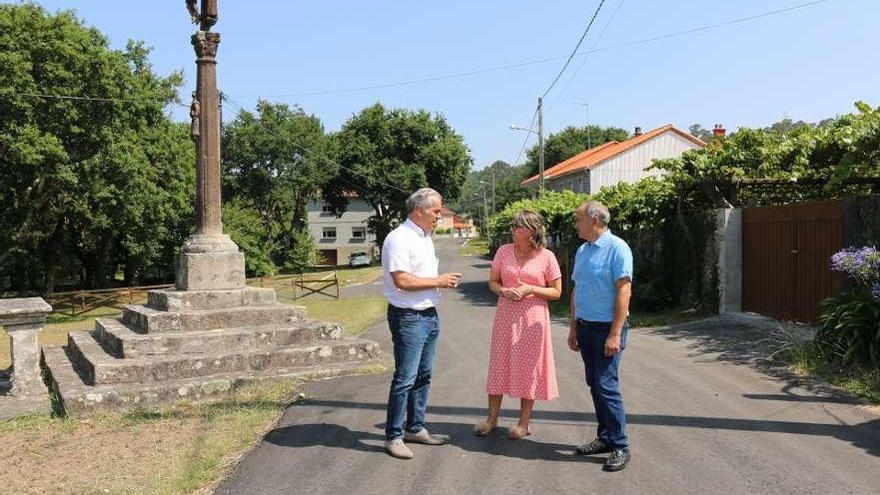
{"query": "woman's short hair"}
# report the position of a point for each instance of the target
(421, 199)
(533, 221)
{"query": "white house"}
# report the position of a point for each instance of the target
(338, 237)
(613, 162)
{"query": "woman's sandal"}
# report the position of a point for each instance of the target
(483, 429)
(518, 433)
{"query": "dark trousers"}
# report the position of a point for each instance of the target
(414, 334)
(602, 378)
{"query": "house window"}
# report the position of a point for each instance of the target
(359, 233)
(328, 233)
(326, 208)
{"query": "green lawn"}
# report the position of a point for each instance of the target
(475, 247)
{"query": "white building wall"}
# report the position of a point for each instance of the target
(355, 216)
(630, 165)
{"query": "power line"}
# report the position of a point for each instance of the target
(586, 56)
(709, 26)
(89, 98)
(573, 52)
(308, 151)
(460, 74)
(477, 72)
(414, 81)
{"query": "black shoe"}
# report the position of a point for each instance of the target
(618, 460)
(595, 447)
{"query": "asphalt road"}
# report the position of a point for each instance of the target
(705, 416)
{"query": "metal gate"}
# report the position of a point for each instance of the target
(786, 256)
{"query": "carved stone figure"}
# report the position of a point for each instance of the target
(195, 109)
(206, 16)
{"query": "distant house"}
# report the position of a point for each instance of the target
(613, 162)
(456, 225)
(338, 237)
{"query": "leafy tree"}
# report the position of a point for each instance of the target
(81, 179)
(507, 190)
(569, 142)
(700, 132)
(248, 230)
(274, 161)
(843, 148)
(387, 154)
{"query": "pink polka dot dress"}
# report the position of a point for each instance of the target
(521, 353)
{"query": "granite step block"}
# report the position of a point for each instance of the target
(79, 398)
(124, 342)
(97, 367)
(149, 320)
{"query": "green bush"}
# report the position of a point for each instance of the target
(303, 252)
(850, 329)
(247, 230)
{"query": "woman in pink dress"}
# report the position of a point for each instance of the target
(525, 276)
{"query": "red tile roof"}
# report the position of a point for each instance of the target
(594, 156)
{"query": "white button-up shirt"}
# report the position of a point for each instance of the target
(409, 249)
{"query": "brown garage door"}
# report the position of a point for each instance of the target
(786, 258)
(329, 256)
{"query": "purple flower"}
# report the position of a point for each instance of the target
(840, 260)
(862, 264)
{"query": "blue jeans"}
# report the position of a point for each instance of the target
(414, 334)
(602, 378)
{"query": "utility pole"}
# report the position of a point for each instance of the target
(493, 190)
(541, 141)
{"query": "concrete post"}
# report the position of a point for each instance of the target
(23, 318)
(729, 238)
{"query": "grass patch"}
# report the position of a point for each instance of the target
(356, 315)
(803, 356)
(475, 247)
(173, 451)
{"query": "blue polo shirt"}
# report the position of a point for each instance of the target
(597, 268)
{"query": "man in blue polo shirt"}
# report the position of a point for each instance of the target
(603, 274)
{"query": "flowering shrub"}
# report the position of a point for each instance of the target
(850, 323)
(862, 264)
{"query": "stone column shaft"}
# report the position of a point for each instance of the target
(208, 153)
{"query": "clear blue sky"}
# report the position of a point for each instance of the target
(804, 64)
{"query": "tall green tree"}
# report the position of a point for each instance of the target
(82, 180)
(507, 189)
(275, 161)
(570, 141)
(387, 154)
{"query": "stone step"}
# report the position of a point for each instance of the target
(97, 367)
(149, 320)
(187, 300)
(79, 398)
(123, 342)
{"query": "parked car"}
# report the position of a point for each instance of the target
(359, 259)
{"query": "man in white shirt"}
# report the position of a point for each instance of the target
(412, 286)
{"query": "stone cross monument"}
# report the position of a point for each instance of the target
(211, 333)
(208, 260)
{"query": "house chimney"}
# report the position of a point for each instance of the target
(719, 131)
(638, 131)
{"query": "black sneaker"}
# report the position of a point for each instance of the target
(618, 460)
(595, 447)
